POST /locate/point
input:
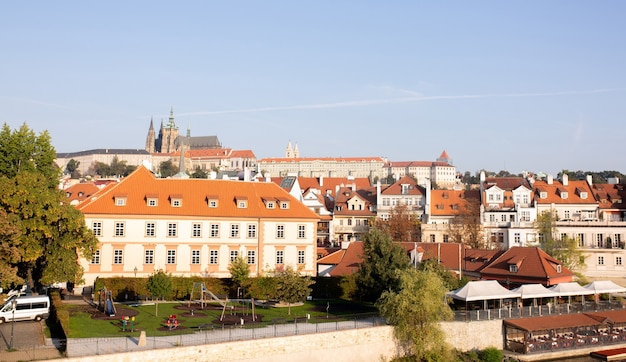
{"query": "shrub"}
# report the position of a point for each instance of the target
(491, 354)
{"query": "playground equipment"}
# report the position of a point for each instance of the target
(205, 296)
(105, 304)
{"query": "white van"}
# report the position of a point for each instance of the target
(27, 308)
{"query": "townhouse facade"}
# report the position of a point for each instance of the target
(196, 227)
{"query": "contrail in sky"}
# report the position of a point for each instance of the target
(371, 102)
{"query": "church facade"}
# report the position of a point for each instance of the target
(169, 140)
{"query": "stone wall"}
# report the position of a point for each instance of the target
(365, 344)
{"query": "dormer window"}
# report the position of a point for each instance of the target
(543, 195)
(564, 194)
(284, 205)
(212, 201)
(120, 200)
(583, 195)
(270, 204)
(80, 194)
(153, 202)
(241, 202)
(558, 268)
(513, 268)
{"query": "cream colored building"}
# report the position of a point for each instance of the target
(196, 227)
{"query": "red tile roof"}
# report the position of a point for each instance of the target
(452, 202)
(396, 187)
(194, 195)
(533, 265)
(573, 189)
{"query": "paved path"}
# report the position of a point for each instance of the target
(28, 342)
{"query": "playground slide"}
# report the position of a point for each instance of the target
(110, 309)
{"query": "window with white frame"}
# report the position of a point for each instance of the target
(517, 238)
(446, 238)
(96, 228)
(300, 256)
(251, 230)
(119, 228)
(280, 231)
(279, 256)
(177, 202)
(432, 238)
(600, 260)
(234, 230)
(171, 256)
(580, 238)
(566, 214)
(284, 205)
(172, 229)
(150, 229)
(213, 257)
(212, 204)
(215, 230)
(118, 256)
(492, 218)
(196, 230)
(195, 257)
(95, 258)
(233, 255)
(148, 256)
(152, 202)
(599, 238)
(251, 257)
(525, 216)
(618, 260)
(301, 231)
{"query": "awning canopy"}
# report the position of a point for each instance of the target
(531, 291)
(570, 289)
(482, 290)
(604, 287)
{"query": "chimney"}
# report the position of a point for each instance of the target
(590, 180)
(550, 181)
(565, 179)
(321, 180)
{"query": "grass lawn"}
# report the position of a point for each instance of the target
(87, 322)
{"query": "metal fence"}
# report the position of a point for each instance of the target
(535, 311)
(79, 347)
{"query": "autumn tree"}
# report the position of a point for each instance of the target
(415, 310)
(560, 247)
(291, 287)
(381, 259)
(402, 225)
(53, 234)
(466, 227)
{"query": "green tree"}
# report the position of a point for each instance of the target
(562, 248)
(415, 310)
(22, 150)
(262, 287)
(291, 287)
(160, 286)
(53, 235)
(167, 169)
(9, 251)
(239, 271)
(381, 259)
(72, 168)
(449, 279)
(199, 173)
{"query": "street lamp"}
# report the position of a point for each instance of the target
(13, 305)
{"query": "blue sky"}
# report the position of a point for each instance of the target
(533, 85)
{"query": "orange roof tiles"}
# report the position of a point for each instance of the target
(573, 189)
(452, 202)
(193, 195)
(535, 264)
(396, 187)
